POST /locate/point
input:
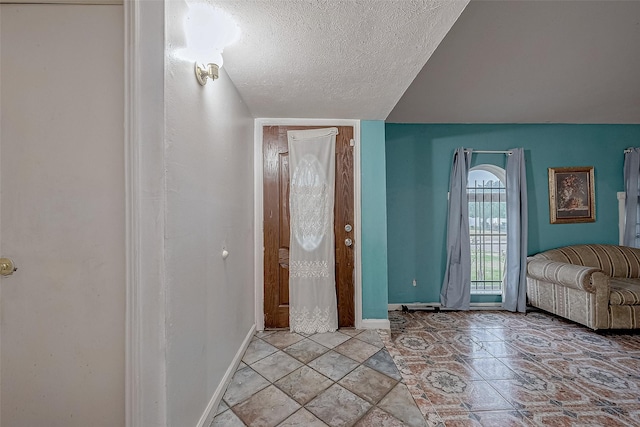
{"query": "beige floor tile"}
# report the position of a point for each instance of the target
(338, 407)
(257, 350)
(400, 404)
(377, 417)
(262, 334)
(303, 384)
(222, 407)
(330, 339)
(227, 419)
(369, 384)
(352, 332)
(282, 339)
(302, 418)
(333, 365)
(356, 349)
(245, 383)
(276, 366)
(371, 336)
(382, 362)
(306, 350)
(267, 408)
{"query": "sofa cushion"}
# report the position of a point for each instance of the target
(614, 261)
(624, 291)
(574, 276)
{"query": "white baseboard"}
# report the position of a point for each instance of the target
(375, 324)
(421, 305)
(210, 411)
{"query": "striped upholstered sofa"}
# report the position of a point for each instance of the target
(595, 285)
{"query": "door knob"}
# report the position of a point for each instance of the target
(348, 228)
(348, 242)
(7, 267)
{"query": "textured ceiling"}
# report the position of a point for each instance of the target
(532, 62)
(332, 58)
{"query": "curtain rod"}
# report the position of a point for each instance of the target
(508, 153)
(628, 150)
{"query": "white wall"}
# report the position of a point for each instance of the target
(209, 205)
(63, 215)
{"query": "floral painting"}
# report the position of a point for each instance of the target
(571, 195)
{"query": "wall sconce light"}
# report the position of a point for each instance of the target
(210, 72)
(209, 30)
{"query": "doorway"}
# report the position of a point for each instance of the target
(276, 225)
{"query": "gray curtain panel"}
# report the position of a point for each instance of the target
(456, 288)
(631, 172)
(515, 280)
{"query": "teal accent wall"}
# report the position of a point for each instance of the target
(418, 162)
(374, 220)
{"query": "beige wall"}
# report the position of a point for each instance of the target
(62, 215)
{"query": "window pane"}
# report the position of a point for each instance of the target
(487, 229)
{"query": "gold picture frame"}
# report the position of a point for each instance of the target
(572, 195)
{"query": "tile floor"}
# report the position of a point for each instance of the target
(483, 368)
(344, 378)
(477, 368)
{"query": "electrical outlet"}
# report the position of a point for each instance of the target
(415, 282)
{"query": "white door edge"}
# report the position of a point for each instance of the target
(145, 333)
(132, 185)
(0, 279)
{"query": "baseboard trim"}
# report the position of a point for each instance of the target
(210, 411)
(422, 306)
(375, 324)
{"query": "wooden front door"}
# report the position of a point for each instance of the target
(276, 225)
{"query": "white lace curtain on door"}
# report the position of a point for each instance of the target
(312, 283)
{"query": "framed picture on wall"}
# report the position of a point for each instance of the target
(571, 195)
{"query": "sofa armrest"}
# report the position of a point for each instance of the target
(562, 273)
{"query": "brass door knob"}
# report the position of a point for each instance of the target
(7, 267)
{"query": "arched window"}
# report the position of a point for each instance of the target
(487, 228)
